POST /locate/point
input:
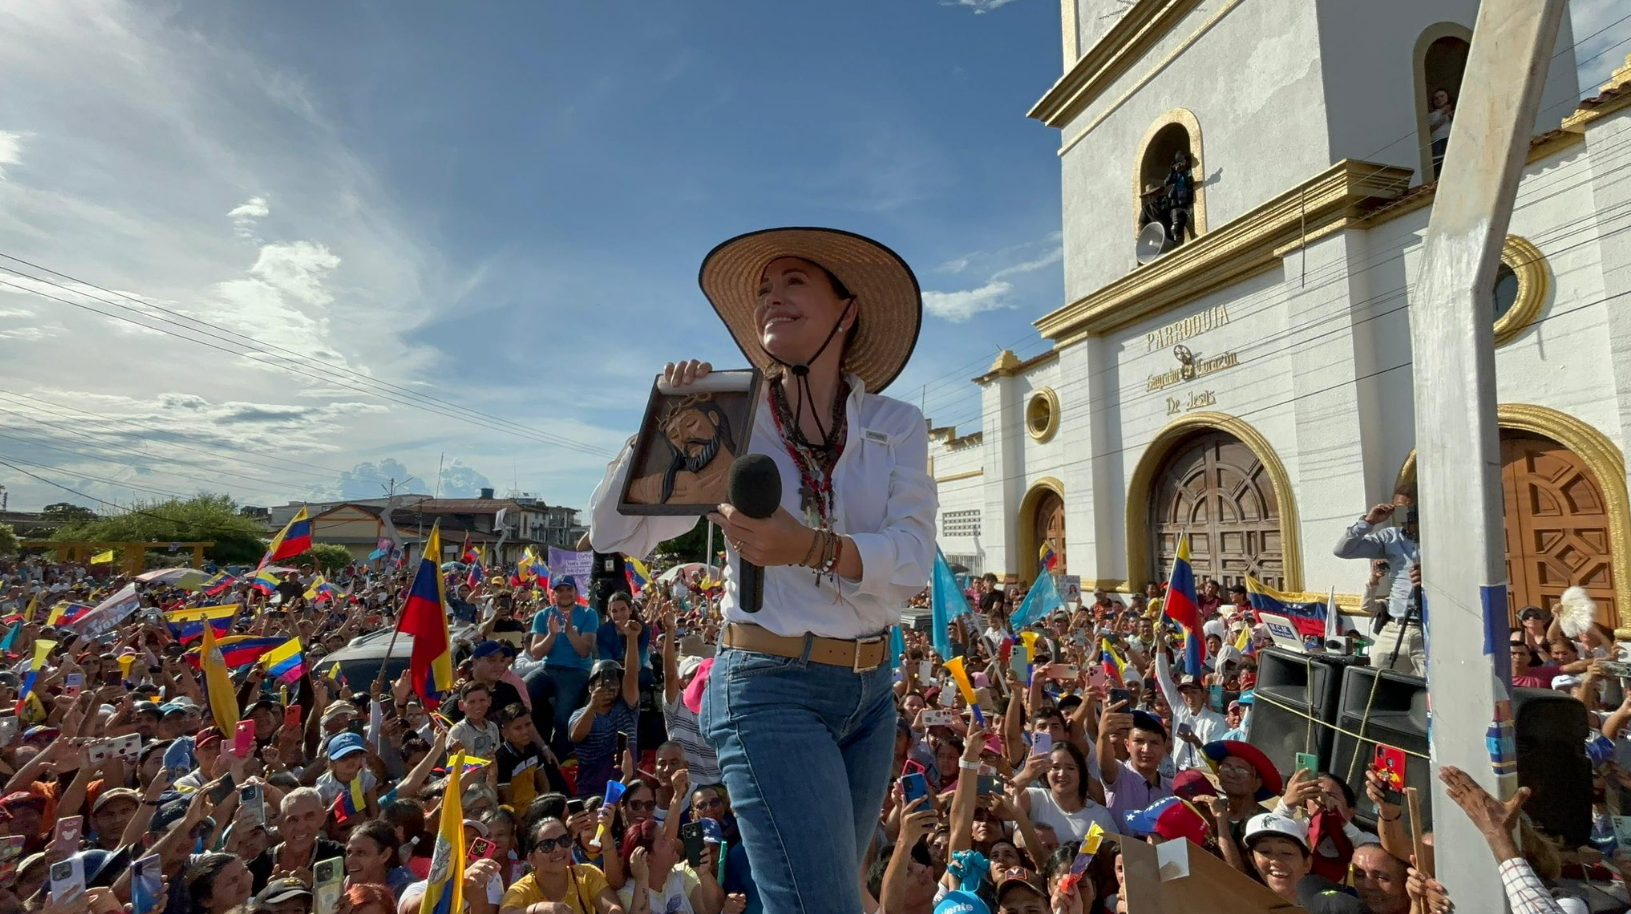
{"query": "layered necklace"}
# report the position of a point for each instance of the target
(815, 459)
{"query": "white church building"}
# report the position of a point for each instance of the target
(1252, 385)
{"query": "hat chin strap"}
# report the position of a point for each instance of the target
(801, 376)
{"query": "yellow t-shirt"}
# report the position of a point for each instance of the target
(587, 882)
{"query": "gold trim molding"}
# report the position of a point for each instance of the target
(957, 477)
(1246, 246)
(1125, 44)
(1043, 398)
(1600, 455)
(1139, 490)
(1534, 287)
(1186, 119)
(1028, 546)
(1613, 96)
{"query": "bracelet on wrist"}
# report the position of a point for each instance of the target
(967, 765)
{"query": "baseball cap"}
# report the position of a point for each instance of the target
(489, 648)
(1171, 818)
(344, 744)
(282, 889)
(1191, 783)
(338, 708)
(563, 582)
(605, 668)
(1012, 885)
(206, 737)
(1565, 681)
(960, 902)
(711, 833)
(688, 666)
(117, 793)
(1144, 720)
(1269, 825)
(1189, 682)
(1320, 895)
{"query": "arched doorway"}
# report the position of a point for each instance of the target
(1042, 521)
(1557, 525)
(1567, 511)
(1440, 59)
(1214, 487)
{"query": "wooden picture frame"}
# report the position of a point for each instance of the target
(691, 478)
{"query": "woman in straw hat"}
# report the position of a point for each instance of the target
(799, 703)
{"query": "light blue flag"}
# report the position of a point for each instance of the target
(897, 646)
(11, 636)
(1043, 599)
(948, 603)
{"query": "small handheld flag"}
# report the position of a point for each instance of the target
(424, 616)
(1183, 607)
(444, 890)
(102, 558)
(218, 682)
(42, 649)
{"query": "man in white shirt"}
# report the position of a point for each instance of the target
(1193, 723)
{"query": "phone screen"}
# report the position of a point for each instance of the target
(1390, 764)
(1118, 696)
(989, 784)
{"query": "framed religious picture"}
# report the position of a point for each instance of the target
(687, 442)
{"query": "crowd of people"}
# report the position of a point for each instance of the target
(1022, 760)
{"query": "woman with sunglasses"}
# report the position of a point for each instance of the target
(581, 887)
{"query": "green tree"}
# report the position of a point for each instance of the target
(327, 556)
(8, 540)
(690, 546)
(67, 512)
(203, 517)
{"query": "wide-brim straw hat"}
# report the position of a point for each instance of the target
(889, 302)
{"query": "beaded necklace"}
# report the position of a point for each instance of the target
(815, 461)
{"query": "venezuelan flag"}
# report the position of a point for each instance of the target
(467, 554)
(321, 590)
(637, 573)
(1307, 615)
(292, 540)
(265, 582)
(188, 624)
(444, 893)
(1183, 608)
(237, 650)
(1115, 665)
(65, 613)
(286, 661)
(351, 801)
(218, 683)
(42, 648)
(220, 584)
(1048, 556)
(424, 617)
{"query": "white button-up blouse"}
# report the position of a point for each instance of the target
(884, 501)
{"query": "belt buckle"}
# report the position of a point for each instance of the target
(855, 665)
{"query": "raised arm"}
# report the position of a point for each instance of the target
(1362, 540)
(631, 664)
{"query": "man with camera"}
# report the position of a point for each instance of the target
(1398, 643)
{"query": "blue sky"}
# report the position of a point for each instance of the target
(500, 205)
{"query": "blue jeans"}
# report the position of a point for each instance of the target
(571, 691)
(805, 749)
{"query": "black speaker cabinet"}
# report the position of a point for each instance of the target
(1307, 684)
(1398, 717)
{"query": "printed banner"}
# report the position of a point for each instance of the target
(575, 565)
(108, 613)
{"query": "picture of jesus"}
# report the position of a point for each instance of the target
(693, 462)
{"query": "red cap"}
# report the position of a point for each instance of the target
(205, 737)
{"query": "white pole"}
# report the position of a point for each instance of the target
(1457, 438)
(708, 556)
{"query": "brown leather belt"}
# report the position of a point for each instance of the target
(861, 656)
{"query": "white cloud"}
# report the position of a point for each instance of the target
(11, 150)
(954, 265)
(1031, 266)
(959, 307)
(978, 6)
(246, 214)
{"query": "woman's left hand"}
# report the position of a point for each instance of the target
(775, 540)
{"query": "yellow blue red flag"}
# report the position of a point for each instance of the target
(444, 888)
(424, 616)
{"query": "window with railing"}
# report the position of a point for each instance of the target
(960, 523)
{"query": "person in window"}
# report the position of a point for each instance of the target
(1180, 185)
(831, 318)
(1439, 116)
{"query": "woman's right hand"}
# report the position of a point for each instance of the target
(684, 374)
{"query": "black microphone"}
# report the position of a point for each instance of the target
(755, 490)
